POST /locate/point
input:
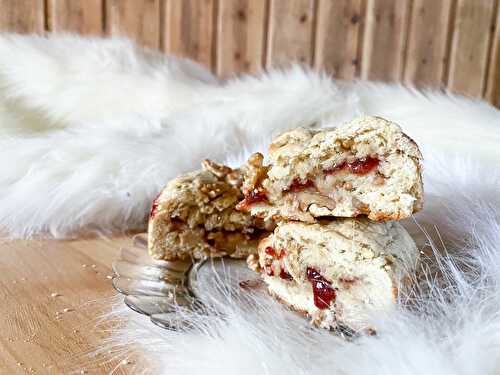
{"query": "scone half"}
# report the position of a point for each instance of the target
(365, 167)
(339, 272)
(195, 217)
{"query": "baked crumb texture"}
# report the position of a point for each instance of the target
(337, 272)
(365, 167)
(195, 217)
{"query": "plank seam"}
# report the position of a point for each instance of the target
(105, 26)
(314, 32)
(265, 26)
(161, 25)
(361, 38)
(489, 51)
(217, 30)
(406, 42)
(268, 36)
(449, 44)
(46, 15)
(213, 47)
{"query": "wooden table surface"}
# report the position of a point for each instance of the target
(51, 296)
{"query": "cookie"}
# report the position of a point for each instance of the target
(195, 217)
(365, 167)
(337, 272)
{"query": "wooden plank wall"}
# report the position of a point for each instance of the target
(451, 44)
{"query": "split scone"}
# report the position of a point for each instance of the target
(337, 271)
(195, 217)
(364, 167)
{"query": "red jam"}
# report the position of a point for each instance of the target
(270, 251)
(255, 196)
(298, 185)
(358, 167)
(269, 271)
(324, 294)
(285, 275)
(154, 207)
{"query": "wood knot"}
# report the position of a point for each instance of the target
(242, 15)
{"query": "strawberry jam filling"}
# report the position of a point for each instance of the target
(323, 292)
(154, 207)
(358, 167)
(270, 251)
(254, 196)
(285, 275)
(269, 268)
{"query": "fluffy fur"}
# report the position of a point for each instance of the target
(90, 153)
(88, 138)
(447, 323)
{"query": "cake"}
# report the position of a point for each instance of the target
(365, 167)
(318, 221)
(337, 272)
(195, 217)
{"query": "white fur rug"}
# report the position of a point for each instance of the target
(87, 138)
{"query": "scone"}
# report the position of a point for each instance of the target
(195, 217)
(365, 167)
(337, 272)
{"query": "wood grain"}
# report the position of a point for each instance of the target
(384, 39)
(38, 336)
(450, 43)
(469, 51)
(139, 20)
(22, 16)
(188, 29)
(361, 37)
(290, 32)
(76, 16)
(337, 34)
(493, 84)
(427, 42)
(240, 36)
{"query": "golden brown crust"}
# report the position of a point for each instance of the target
(364, 261)
(366, 167)
(195, 217)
